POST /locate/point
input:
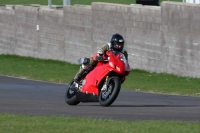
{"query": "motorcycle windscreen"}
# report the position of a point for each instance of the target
(120, 64)
(126, 64)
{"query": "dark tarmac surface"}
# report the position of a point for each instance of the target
(28, 97)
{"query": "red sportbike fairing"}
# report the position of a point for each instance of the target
(103, 83)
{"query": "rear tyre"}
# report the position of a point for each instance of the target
(107, 97)
(70, 94)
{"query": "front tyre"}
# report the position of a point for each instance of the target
(108, 96)
(70, 94)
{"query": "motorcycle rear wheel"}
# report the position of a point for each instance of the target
(107, 97)
(70, 94)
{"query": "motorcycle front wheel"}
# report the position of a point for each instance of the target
(108, 96)
(70, 94)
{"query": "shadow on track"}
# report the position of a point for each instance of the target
(131, 106)
(155, 106)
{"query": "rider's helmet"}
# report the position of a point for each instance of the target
(117, 42)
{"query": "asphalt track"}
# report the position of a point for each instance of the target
(28, 97)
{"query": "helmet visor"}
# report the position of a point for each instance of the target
(118, 45)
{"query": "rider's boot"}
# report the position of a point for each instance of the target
(78, 75)
(82, 70)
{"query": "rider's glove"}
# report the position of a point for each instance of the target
(99, 57)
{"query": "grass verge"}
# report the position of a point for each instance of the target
(63, 72)
(40, 124)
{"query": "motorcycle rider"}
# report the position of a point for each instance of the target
(116, 44)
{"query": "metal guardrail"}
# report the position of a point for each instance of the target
(192, 1)
(65, 2)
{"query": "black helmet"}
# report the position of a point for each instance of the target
(117, 42)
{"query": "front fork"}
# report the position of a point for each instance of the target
(105, 85)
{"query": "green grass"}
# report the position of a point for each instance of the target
(39, 124)
(63, 72)
(60, 2)
(47, 70)
(162, 83)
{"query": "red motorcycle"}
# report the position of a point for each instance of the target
(101, 84)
